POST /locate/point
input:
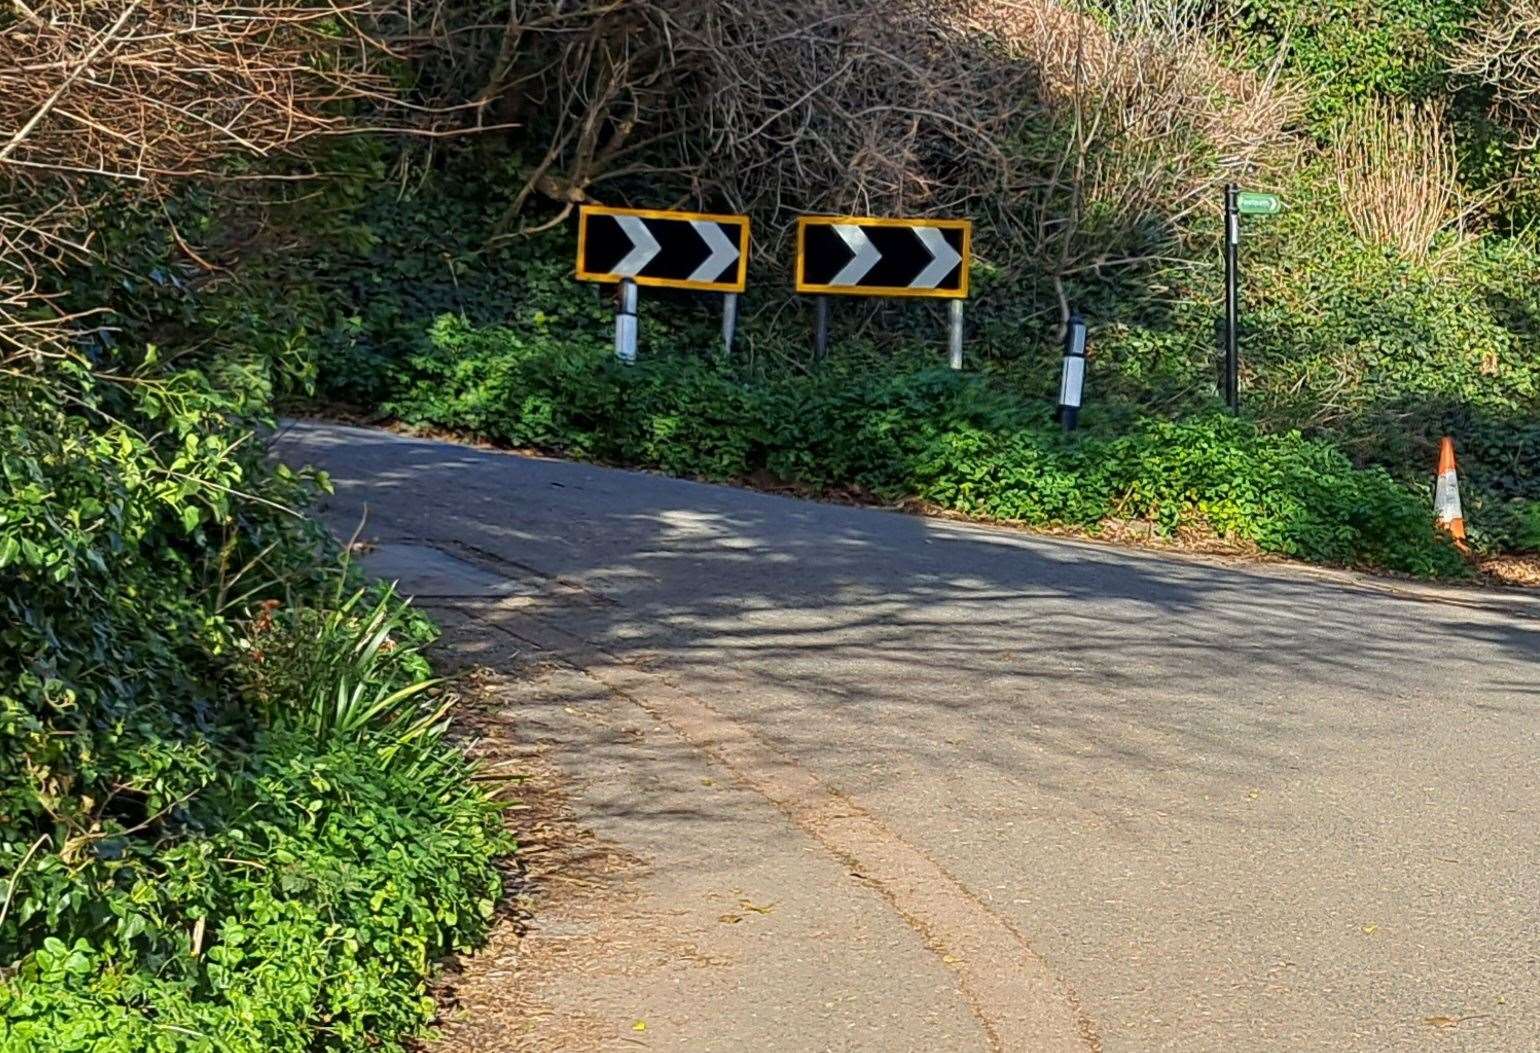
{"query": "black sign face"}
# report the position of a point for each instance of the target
(675, 250)
(865, 256)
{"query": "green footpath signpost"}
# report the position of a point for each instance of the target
(1238, 204)
(1252, 204)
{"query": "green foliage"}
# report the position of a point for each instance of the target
(1346, 343)
(325, 887)
(374, 268)
(1348, 51)
(119, 532)
(1346, 325)
(192, 860)
(957, 441)
(1354, 344)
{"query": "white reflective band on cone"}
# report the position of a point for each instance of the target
(1446, 497)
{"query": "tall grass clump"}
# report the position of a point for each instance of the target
(1398, 175)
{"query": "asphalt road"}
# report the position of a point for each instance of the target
(1229, 807)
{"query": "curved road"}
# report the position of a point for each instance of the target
(1011, 791)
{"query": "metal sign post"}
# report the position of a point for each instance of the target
(954, 316)
(1238, 204)
(669, 250)
(871, 256)
(820, 327)
(729, 320)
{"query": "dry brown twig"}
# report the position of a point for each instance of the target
(153, 91)
(159, 88)
(1078, 147)
(1501, 51)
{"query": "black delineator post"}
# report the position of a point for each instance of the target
(625, 322)
(1232, 299)
(1072, 378)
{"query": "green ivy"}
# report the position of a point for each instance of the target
(956, 440)
(1349, 51)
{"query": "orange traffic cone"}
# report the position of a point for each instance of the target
(1446, 495)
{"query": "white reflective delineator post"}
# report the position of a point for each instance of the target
(625, 323)
(1072, 380)
(954, 311)
(729, 320)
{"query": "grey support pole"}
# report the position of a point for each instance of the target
(820, 327)
(954, 311)
(625, 323)
(729, 320)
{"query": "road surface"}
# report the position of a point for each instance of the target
(1004, 791)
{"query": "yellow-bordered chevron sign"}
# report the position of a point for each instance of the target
(870, 256)
(671, 250)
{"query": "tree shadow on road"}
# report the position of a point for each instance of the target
(899, 654)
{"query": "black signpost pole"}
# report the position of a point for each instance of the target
(1232, 298)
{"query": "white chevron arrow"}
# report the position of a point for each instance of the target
(865, 258)
(643, 246)
(723, 251)
(943, 258)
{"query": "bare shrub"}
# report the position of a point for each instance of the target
(1076, 145)
(1501, 51)
(33, 243)
(1151, 123)
(1397, 175)
(155, 88)
(149, 91)
(892, 107)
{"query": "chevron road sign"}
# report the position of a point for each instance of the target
(865, 256)
(674, 250)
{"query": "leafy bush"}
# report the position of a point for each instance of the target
(325, 888)
(1352, 51)
(952, 439)
(1358, 345)
(194, 860)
